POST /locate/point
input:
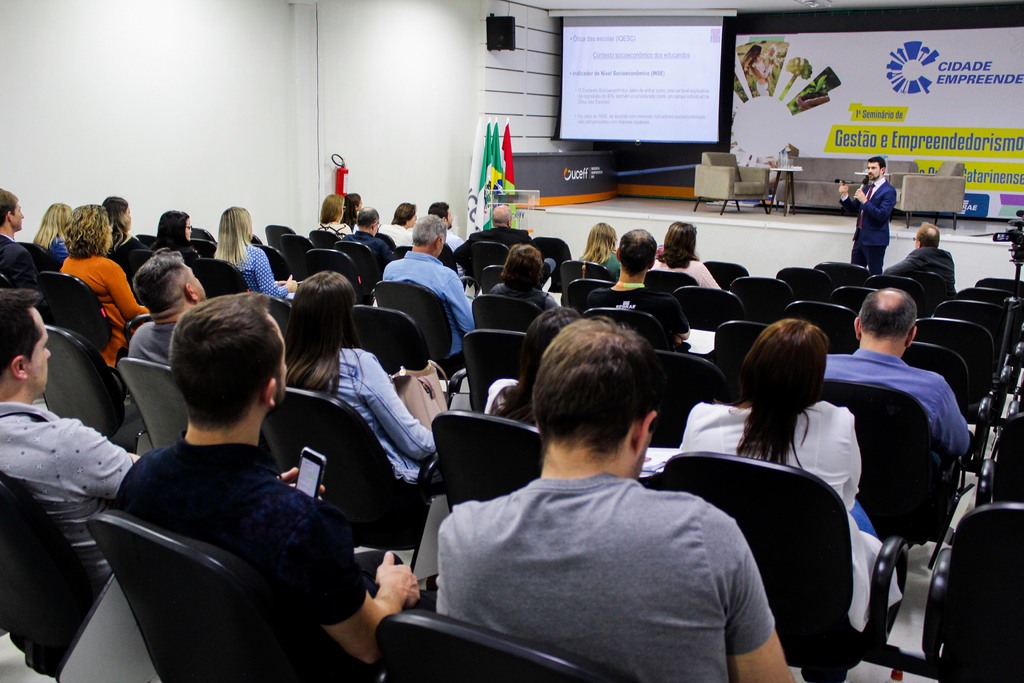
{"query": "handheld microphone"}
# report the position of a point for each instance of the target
(864, 183)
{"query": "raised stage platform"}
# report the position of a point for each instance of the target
(767, 243)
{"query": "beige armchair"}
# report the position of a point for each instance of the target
(942, 192)
(719, 177)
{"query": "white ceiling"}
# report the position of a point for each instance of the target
(753, 6)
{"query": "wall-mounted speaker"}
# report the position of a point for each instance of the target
(501, 33)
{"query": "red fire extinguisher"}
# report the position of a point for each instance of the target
(339, 174)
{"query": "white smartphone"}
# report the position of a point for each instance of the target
(311, 472)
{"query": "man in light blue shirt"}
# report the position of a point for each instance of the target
(886, 326)
(421, 266)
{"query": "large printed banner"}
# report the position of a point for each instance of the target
(923, 96)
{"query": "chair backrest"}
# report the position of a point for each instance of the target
(486, 253)
(41, 257)
(489, 277)
(482, 457)
(557, 250)
(294, 248)
(808, 284)
(205, 248)
(908, 285)
(392, 336)
(583, 270)
(280, 310)
(945, 362)
(989, 316)
(424, 307)
(1003, 283)
(274, 233)
(204, 613)
(136, 259)
(718, 159)
(733, 340)
(331, 259)
(401, 251)
(844, 274)
(44, 592)
(689, 380)
(934, 290)
(644, 323)
(159, 400)
(366, 265)
(424, 646)
(764, 298)
(278, 264)
(202, 234)
(358, 477)
(578, 291)
(835, 321)
(386, 239)
(323, 239)
(1009, 457)
(75, 307)
(495, 312)
(850, 296)
(706, 309)
(725, 272)
(668, 281)
(971, 341)
(490, 355)
(447, 258)
(807, 570)
(219, 277)
(987, 294)
(149, 240)
(80, 384)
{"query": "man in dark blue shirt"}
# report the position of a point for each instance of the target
(217, 486)
(367, 224)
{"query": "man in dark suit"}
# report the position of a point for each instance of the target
(367, 224)
(503, 232)
(15, 261)
(873, 203)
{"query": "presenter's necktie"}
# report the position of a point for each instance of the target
(860, 216)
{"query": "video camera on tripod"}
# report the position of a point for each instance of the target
(1015, 236)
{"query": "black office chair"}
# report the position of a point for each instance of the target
(75, 307)
(490, 355)
(706, 309)
(401, 251)
(1002, 476)
(392, 336)
(204, 613)
(294, 248)
(689, 380)
(148, 240)
(136, 259)
(908, 285)
(359, 478)
(81, 385)
(481, 457)
(972, 342)
(808, 284)
(764, 298)
(578, 291)
(496, 312)
(44, 591)
(844, 274)
(424, 647)
(974, 618)
(799, 533)
(725, 272)
(202, 234)
(386, 239)
(366, 265)
(583, 270)
(733, 340)
(331, 259)
(934, 290)
(159, 400)
(644, 323)
(834, 320)
(485, 253)
(489, 278)
(943, 361)
(280, 310)
(850, 296)
(274, 234)
(1003, 283)
(323, 239)
(278, 264)
(424, 307)
(219, 277)
(41, 257)
(205, 248)
(447, 258)
(989, 316)
(989, 295)
(668, 281)
(557, 250)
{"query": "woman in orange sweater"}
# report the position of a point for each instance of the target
(88, 241)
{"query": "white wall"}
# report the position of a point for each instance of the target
(177, 104)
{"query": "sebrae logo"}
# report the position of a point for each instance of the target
(576, 174)
(907, 70)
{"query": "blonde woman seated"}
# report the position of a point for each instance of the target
(601, 244)
(234, 245)
(322, 354)
(52, 230)
(88, 241)
(330, 215)
(781, 418)
(680, 255)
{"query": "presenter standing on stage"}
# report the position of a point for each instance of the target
(873, 203)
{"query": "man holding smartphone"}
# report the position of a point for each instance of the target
(218, 486)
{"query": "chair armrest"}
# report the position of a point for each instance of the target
(931, 638)
(425, 479)
(119, 381)
(891, 560)
(986, 480)
(753, 174)
(455, 384)
(714, 181)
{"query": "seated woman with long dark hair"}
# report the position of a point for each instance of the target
(521, 277)
(781, 418)
(174, 231)
(322, 354)
(680, 255)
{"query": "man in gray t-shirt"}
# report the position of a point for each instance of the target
(168, 288)
(657, 586)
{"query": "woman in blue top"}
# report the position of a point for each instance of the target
(322, 354)
(51, 232)
(234, 246)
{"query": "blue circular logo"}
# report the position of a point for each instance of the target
(906, 70)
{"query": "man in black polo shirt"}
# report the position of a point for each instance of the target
(636, 253)
(217, 486)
